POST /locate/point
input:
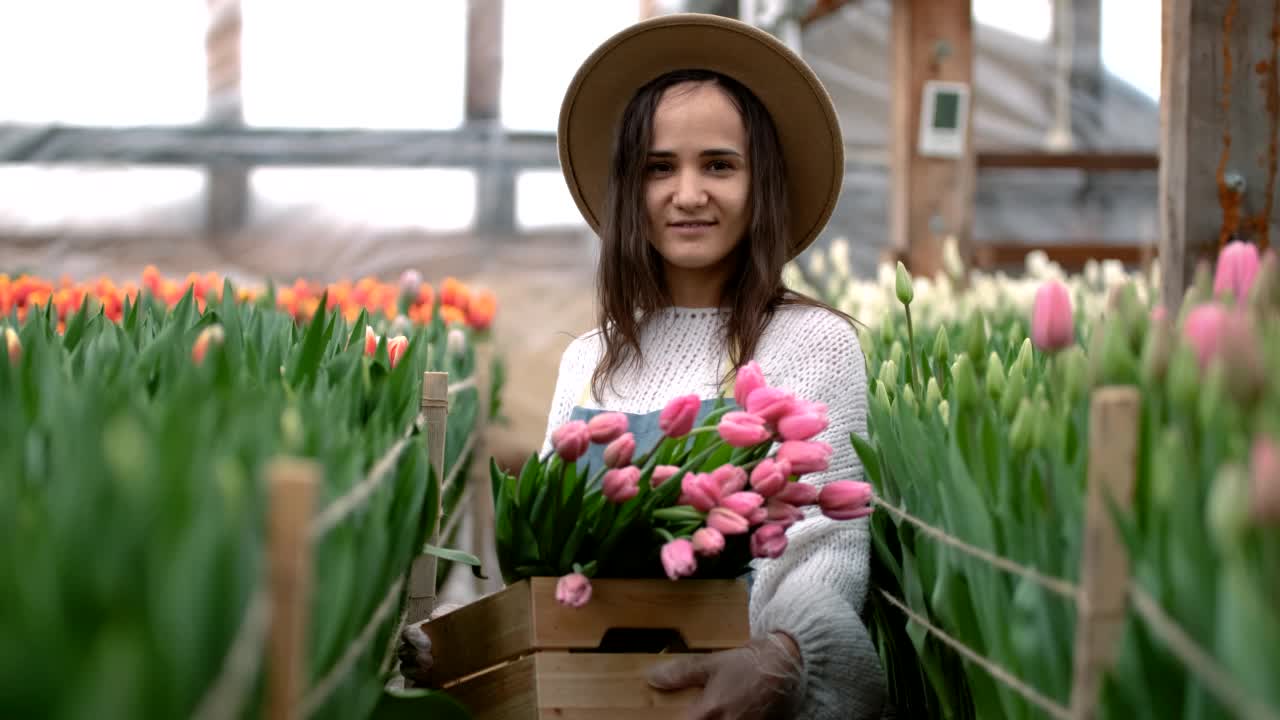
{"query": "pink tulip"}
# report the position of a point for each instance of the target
(621, 484)
(729, 478)
(727, 522)
(573, 590)
(757, 516)
(708, 542)
(571, 440)
(663, 473)
(607, 427)
(395, 349)
(750, 378)
(805, 422)
(770, 476)
(805, 456)
(410, 281)
(678, 560)
(770, 403)
(700, 491)
(783, 513)
(1237, 268)
(742, 503)
(742, 429)
(845, 499)
(769, 541)
(620, 451)
(1203, 328)
(1264, 487)
(798, 493)
(1052, 324)
(677, 418)
(370, 340)
(1159, 314)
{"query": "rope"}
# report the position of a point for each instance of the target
(1055, 710)
(1199, 662)
(225, 698)
(464, 384)
(1062, 587)
(357, 496)
(338, 673)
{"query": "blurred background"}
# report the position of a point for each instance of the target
(330, 140)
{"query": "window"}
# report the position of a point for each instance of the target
(543, 201)
(376, 64)
(1032, 19)
(439, 199)
(62, 198)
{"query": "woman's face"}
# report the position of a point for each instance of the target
(697, 189)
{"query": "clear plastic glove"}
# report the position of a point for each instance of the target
(415, 648)
(759, 681)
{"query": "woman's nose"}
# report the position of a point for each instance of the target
(689, 192)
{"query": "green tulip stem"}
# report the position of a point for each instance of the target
(911, 356)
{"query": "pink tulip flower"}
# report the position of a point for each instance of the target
(742, 429)
(1264, 486)
(770, 476)
(769, 541)
(1237, 268)
(571, 440)
(783, 513)
(730, 479)
(743, 503)
(607, 427)
(727, 522)
(845, 499)
(396, 347)
(805, 456)
(619, 452)
(700, 491)
(573, 590)
(1052, 323)
(663, 473)
(770, 403)
(678, 560)
(621, 484)
(798, 493)
(750, 378)
(757, 516)
(1159, 314)
(708, 542)
(677, 418)
(1203, 328)
(804, 423)
(370, 340)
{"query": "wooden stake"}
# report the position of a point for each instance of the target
(1104, 564)
(422, 575)
(292, 484)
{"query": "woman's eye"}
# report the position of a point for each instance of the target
(720, 165)
(658, 167)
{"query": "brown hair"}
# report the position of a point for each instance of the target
(630, 282)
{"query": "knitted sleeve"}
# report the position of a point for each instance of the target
(576, 367)
(815, 592)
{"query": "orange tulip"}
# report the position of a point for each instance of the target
(481, 310)
(452, 315)
(454, 293)
(213, 333)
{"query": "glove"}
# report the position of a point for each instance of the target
(759, 681)
(415, 648)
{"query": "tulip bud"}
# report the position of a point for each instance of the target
(942, 348)
(770, 476)
(13, 346)
(708, 542)
(1237, 268)
(291, 430)
(976, 339)
(1264, 481)
(607, 427)
(908, 397)
(1243, 360)
(1042, 431)
(212, 334)
(678, 560)
(662, 473)
(729, 479)
(770, 403)
(782, 513)
(897, 354)
(370, 341)
(1114, 363)
(1026, 360)
(619, 452)
(995, 377)
(1014, 334)
(944, 412)
(727, 522)
(845, 499)
(902, 285)
(966, 382)
(1229, 507)
(677, 418)
(882, 396)
(571, 440)
(1265, 296)
(743, 503)
(887, 330)
(1213, 391)
(1052, 321)
(749, 379)
(1156, 349)
(1021, 433)
(932, 395)
(456, 344)
(805, 422)
(699, 491)
(1014, 390)
(889, 374)
(573, 590)
(621, 484)
(799, 494)
(805, 456)
(743, 429)
(1075, 374)
(769, 541)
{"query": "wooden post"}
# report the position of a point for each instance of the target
(292, 486)
(932, 197)
(227, 194)
(1219, 132)
(422, 575)
(1104, 564)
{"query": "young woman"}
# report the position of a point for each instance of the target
(706, 155)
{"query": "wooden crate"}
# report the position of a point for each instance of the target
(520, 655)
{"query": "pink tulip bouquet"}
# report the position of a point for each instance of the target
(702, 503)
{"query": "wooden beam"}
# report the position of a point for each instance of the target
(1220, 131)
(1092, 161)
(931, 197)
(484, 60)
(1072, 256)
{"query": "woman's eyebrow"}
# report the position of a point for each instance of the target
(710, 152)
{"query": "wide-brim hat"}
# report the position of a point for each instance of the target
(801, 109)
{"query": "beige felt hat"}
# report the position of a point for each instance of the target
(801, 109)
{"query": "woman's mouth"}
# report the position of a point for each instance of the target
(694, 227)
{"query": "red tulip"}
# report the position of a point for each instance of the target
(677, 559)
(607, 427)
(769, 541)
(742, 429)
(677, 418)
(571, 440)
(620, 451)
(621, 484)
(396, 347)
(211, 334)
(750, 378)
(370, 341)
(1052, 323)
(845, 499)
(573, 590)
(1237, 268)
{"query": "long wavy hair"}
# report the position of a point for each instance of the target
(630, 280)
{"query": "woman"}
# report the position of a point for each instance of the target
(706, 155)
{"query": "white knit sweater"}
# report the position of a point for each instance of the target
(816, 590)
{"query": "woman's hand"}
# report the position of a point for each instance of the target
(758, 681)
(415, 648)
